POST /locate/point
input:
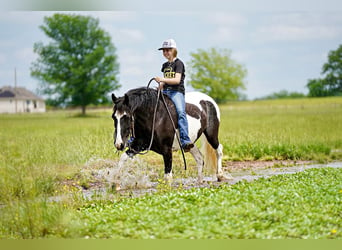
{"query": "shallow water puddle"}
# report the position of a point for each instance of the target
(250, 175)
(137, 183)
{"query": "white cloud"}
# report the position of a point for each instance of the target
(136, 65)
(226, 18)
(23, 17)
(110, 22)
(113, 16)
(226, 34)
(131, 56)
(129, 34)
(243, 55)
(135, 71)
(299, 26)
(297, 32)
(228, 26)
(124, 35)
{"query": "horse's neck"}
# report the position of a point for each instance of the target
(144, 116)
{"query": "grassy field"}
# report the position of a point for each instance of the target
(43, 154)
(306, 129)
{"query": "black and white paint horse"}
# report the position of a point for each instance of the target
(133, 115)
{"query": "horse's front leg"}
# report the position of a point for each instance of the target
(199, 160)
(168, 166)
(116, 180)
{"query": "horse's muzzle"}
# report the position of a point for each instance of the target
(119, 146)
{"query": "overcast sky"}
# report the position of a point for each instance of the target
(281, 47)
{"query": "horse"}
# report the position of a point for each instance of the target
(134, 114)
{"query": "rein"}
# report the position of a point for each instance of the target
(153, 126)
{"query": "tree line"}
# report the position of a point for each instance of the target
(79, 67)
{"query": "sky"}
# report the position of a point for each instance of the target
(281, 46)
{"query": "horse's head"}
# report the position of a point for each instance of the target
(136, 103)
(123, 122)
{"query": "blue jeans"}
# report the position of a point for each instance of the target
(179, 101)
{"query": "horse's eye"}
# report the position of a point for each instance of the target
(125, 118)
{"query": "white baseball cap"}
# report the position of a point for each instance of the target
(168, 44)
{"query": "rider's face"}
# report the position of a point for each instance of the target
(168, 54)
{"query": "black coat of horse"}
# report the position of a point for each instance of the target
(133, 122)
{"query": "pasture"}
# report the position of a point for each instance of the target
(44, 156)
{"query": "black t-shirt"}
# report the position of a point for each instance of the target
(170, 70)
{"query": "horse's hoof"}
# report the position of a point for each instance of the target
(116, 187)
(168, 178)
(224, 177)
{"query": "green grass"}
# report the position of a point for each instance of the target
(305, 129)
(40, 153)
(304, 205)
(56, 138)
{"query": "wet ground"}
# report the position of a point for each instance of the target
(259, 172)
(134, 183)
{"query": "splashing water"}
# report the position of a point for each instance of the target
(135, 173)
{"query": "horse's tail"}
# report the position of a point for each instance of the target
(209, 156)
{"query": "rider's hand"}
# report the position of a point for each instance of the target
(161, 85)
(158, 79)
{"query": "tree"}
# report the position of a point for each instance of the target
(283, 94)
(317, 88)
(79, 66)
(215, 73)
(331, 83)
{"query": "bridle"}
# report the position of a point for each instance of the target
(131, 132)
(131, 151)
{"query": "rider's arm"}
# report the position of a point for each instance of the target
(172, 81)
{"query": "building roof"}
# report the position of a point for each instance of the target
(17, 93)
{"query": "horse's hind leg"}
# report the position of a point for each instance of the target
(221, 176)
(199, 160)
(211, 135)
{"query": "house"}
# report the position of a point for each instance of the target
(20, 100)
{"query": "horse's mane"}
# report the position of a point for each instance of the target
(142, 97)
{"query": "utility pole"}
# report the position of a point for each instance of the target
(15, 89)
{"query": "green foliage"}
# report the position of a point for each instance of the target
(79, 66)
(331, 83)
(303, 205)
(317, 88)
(215, 73)
(284, 94)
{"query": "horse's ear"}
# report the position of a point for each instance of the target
(126, 99)
(114, 98)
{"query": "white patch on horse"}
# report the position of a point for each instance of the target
(196, 97)
(118, 140)
(194, 125)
